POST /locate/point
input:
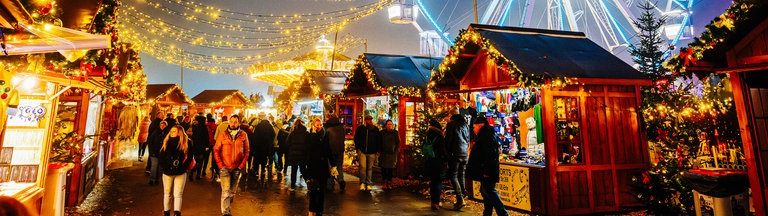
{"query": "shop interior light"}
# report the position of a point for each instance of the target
(29, 83)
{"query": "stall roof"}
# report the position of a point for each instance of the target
(547, 53)
(158, 91)
(218, 96)
(329, 82)
(391, 71)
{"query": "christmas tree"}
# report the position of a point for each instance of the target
(680, 111)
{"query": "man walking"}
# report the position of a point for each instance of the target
(231, 154)
(368, 144)
(457, 143)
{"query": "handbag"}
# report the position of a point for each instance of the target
(192, 164)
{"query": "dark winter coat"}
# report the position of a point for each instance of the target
(457, 136)
(200, 136)
(483, 164)
(264, 139)
(390, 148)
(436, 165)
(297, 145)
(282, 141)
(155, 125)
(171, 122)
(172, 160)
(318, 156)
(368, 139)
(155, 141)
(334, 132)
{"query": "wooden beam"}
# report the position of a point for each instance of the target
(749, 68)
(605, 81)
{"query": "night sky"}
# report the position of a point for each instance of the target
(382, 37)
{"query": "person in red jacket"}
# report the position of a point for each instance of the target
(231, 154)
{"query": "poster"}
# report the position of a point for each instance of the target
(513, 187)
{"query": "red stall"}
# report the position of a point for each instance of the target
(220, 102)
(567, 109)
(388, 87)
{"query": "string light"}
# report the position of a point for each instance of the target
(281, 46)
(173, 88)
(363, 67)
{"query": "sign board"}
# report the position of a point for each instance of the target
(513, 187)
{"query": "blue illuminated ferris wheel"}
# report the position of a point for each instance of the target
(606, 22)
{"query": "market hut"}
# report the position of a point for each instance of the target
(220, 102)
(169, 98)
(389, 87)
(32, 92)
(567, 108)
(740, 52)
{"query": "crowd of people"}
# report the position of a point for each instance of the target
(180, 149)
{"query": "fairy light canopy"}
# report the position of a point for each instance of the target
(526, 57)
(166, 94)
(285, 72)
(383, 74)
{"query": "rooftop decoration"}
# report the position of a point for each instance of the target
(218, 97)
(156, 92)
(380, 74)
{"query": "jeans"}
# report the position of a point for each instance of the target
(456, 168)
(229, 181)
(204, 163)
(279, 161)
(317, 194)
(295, 168)
(175, 182)
(387, 173)
(434, 169)
(142, 149)
(491, 199)
(366, 167)
(153, 170)
(338, 160)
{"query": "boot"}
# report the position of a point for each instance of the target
(342, 186)
(167, 213)
(176, 213)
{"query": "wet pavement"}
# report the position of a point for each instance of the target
(126, 192)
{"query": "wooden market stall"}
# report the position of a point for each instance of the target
(571, 104)
(220, 102)
(33, 95)
(389, 87)
(742, 54)
(169, 98)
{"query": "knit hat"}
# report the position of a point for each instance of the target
(481, 120)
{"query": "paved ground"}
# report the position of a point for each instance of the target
(127, 193)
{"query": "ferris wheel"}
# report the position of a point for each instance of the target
(606, 22)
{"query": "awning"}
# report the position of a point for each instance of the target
(49, 38)
(44, 38)
(93, 84)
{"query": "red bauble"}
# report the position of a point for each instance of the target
(46, 9)
(672, 47)
(731, 15)
(383, 91)
(713, 43)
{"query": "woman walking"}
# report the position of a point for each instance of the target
(143, 135)
(390, 149)
(297, 150)
(319, 167)
(483, 166)
(436, 162)
(174, 160)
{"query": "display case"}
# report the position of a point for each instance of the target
(411, 124)
(24, 155)
(567, 121)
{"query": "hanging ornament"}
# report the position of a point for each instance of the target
(46, 9)
(713, 43)
(672, 47)
(383, 91)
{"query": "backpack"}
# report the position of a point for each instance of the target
(429, 149)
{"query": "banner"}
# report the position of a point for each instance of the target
(513, 187)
